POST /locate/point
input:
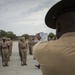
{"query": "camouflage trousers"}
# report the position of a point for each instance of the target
(23, 56)
(10, 52)
(20, 53)
(5, 57)
(30, 49)
(0, 51)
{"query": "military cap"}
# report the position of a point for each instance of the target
(58, 9)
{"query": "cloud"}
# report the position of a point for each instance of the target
(2, 2)
(25, 16)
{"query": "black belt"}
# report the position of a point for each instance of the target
(23, 47)
(4, 47)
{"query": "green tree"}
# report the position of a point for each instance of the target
(26, 36)
(51, 35)
(3, 33)
(11, 35)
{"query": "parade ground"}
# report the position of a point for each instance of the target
(15, 67)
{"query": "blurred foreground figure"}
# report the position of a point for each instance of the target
(36, 40)
(40, 37)
(58, 57)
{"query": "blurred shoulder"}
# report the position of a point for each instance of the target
(46, 44)
(43, 43)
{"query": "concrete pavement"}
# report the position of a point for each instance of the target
(15, 67)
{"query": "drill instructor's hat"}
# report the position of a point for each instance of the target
(59, 8)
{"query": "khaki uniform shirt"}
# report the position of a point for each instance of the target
(57, 57)
(23, 45)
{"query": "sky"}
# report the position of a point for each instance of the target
(25, 16)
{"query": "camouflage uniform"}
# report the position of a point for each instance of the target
(10, 48)
(19, 46)
(23, 51)
(5, 53)
(11, 44)
(0, 45)
(8, 42)
(31, 43)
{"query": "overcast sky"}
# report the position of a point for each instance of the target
(25, 16)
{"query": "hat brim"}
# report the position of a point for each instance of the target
(53, 13)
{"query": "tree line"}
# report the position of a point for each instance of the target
(9, 34)
(13, 36)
